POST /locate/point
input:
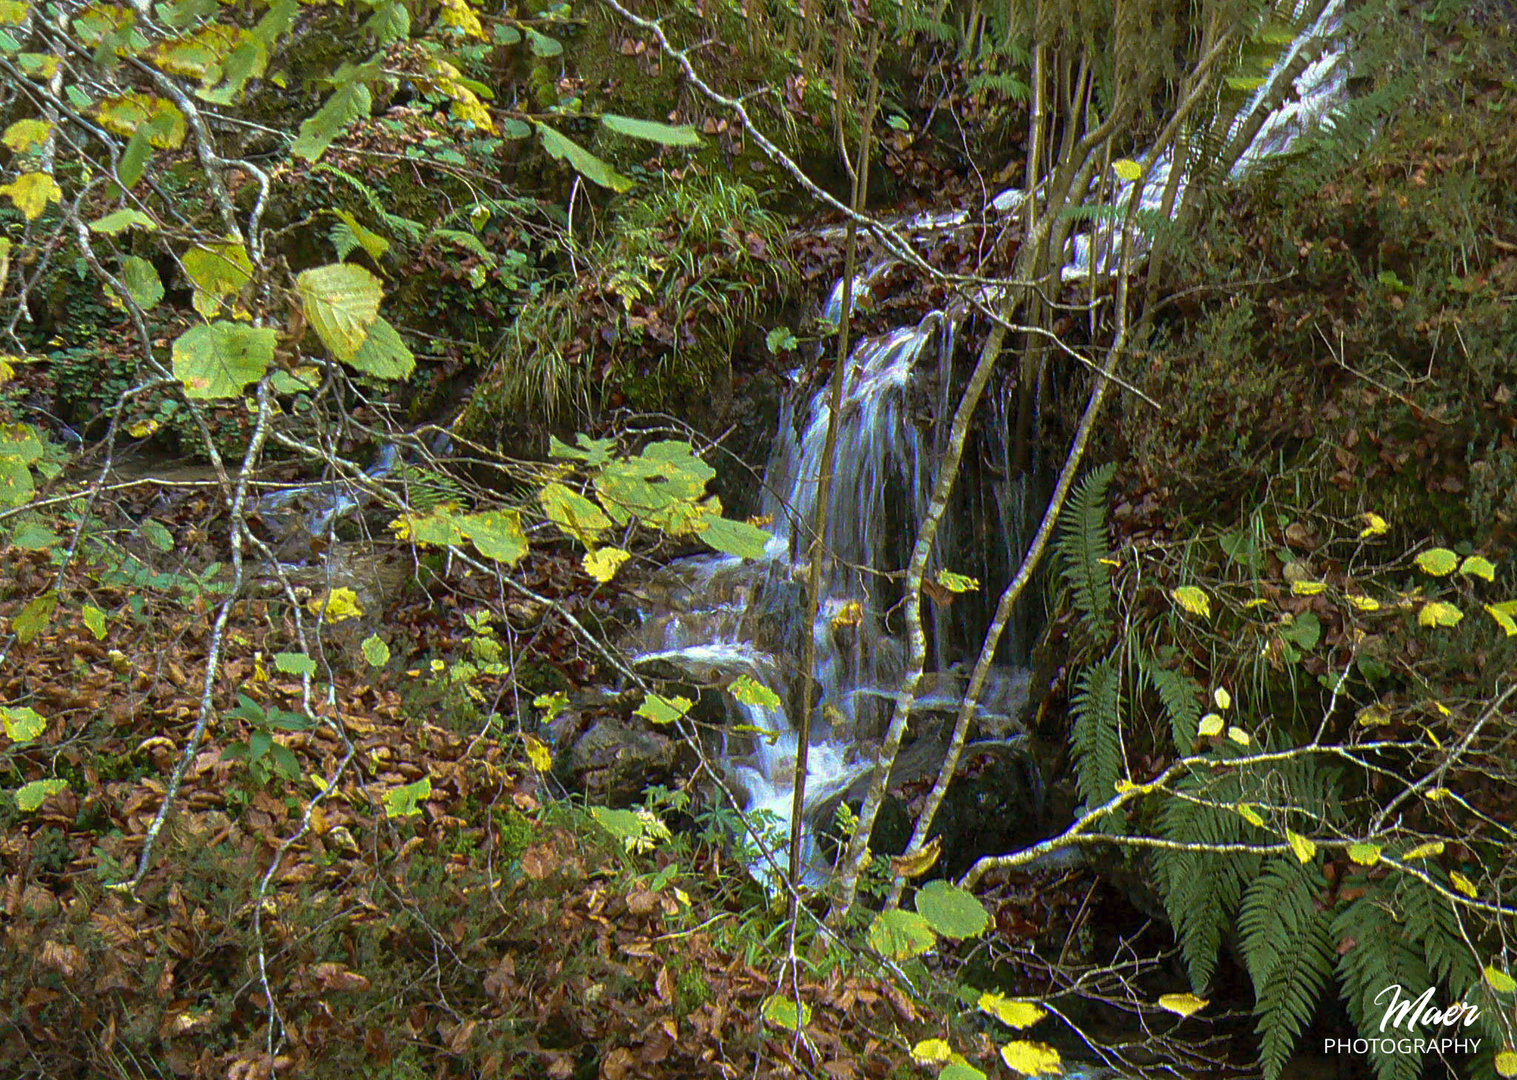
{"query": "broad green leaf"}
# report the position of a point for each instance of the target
(31, 192)
(383, 354)
(592, 168)
(158, 118)
(1031, 1059)
(218, 359)
(1439, 562)
(141, 280)
(951, 911)
(900, 935)
(1014, 1014)
(957, 583)
(134, 159)
(440, 528)
(602, 563)
(662, 487)
(1364, 854)
(650, 130)
(375, 651)
(200, 54)
(1499, 980)
(34, 617)
(34, 536)
(155, 533)
(22, 724)
(497, 534)
(30, 796)
(664, 710)
(405, 801)
(218, 272)
(553, 705)
(26, 135)
(737, 538)
(1439, 613)
(391, 21)
(779, 1011)
(123, 219)
(750, 691)
(961, 1070)
(593, 452)
(1476, 566)
(341, 301)
(1182, 1004)
(543, 45)
(573, 513)
(94, 618)
(294, 663)
(1193, 600)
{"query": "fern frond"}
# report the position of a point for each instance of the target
(1288, 954)
(1378, 951)
(468, 241)
(1289, 996)
(1082, 544)
(344, 239)
(1181, 697)
(1001, 83)
(1096, 735)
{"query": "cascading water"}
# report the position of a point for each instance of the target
(721, 618)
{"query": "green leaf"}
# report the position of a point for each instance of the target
(780, 339)
(141, 280)
(952, 911)
(543, 45)
(21, 724)
(1506, 622)
(1439, 562)
(779, 1011)
(218, 272)
(957, 583)
(573, 513)
(405, 801)
(664, 710)
(374, 245)
(349, 102)
(593, 452)
(383, 354)
(651, 130)
(30, 796)
(94, 618)
(737, 538)
(497, 534)
(341, 301)
(960, 1070)
(33, 619)
(26, 135)
(750, 691)
(114, 223)
(375, 651)
(562, 148)
(134, 159)
(294, 663)
(1475, 566)
(900, 935)
(218, 359)
(156, 534)
(34, 536)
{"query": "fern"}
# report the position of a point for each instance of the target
(1180, 695)
(1082, 545)
(1096, 735)
(1001, 83)
(344, 239)
(1377, 951)
(1288, 953)
(468, 241)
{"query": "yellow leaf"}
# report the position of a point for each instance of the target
(1499, 980)
(1304, 848)
(1439, 562)
(142, 429)
(1375, 715)
(31, 192)
(1308, 588)
(27, 134)
(1014, 1014)
(13, 12)
(1463, 884)
(1434, 794)
(460, 16)
(1439, 613)
(1250, 814)
(930, 1051)
(1032, 1059)
(1365, 603)
(125, 113)
(1193, 600)
(850, 614)
(1506, 622)
(1127, 169)
(1211, 724)
(1124, 784)
(1475, 566)
(957, 582)
(915, 864)
(1423, 851)
(1239, 736)
(1364, 854)
(1223, 699)
(1443, 710)
(1374, 525)
(603, 563)
(1184, 1004)
(538, 753)
(1506, 1063)
(339, 604)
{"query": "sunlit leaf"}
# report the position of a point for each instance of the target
(849, 614)
(497, 534)
(337, 605)
(1250, 814)
(292, 663)
(1193, 600)
(1127, 169)
(1211, 724)
(1364, 854)
(1438, 561)
(141, 280)
(779, 1011)
(34, 617)
(159, 119)
(750, 691)
(1506, 622)
(914, 864)
(31, 192)
(219, 272)
(1476, 566)
(1364, 603)
(94, 618)
(652, 131)
(1425, 851)
(405, 801)
(538, 753)
(931, 1051)
(602, 563)
(31, 796)
(1183, 1004)
(341, 300)
(737, 538)
(28, 134)
(1506, 1063)
(1308, 588)
(1375, 715)
(664, 710)
(1014, 1014)
(957, 583)
(217, 360)
(22, 724)
(573, 513)
(375, 651)
(1304, 848)
(383, 354)
(1463, 884)
(1239, 736)
(1032, 1059)
(1499, 980)
(1374, 525)
(1439, 613)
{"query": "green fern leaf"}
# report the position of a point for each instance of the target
(1081, 546)
(1096, 735)
(1376, 951)
(1288, 954)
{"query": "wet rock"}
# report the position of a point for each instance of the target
(613, 761)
